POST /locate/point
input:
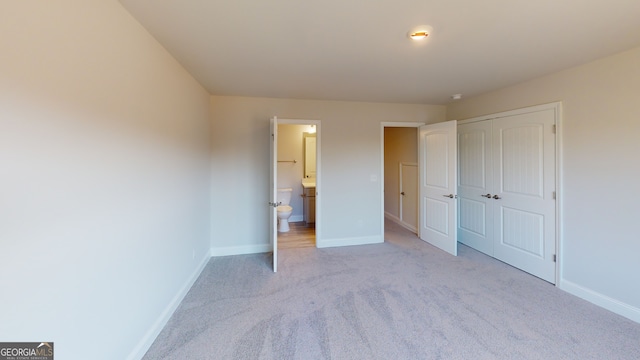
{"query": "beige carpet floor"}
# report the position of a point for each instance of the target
(402, 299)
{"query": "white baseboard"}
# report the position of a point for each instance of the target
(147, 340)
(398, 221)
(601, 300)
(296, 218)
(241, 250)
(325, 243)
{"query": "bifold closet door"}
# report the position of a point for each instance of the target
(523, 192)
(506, 188)
(475, 211)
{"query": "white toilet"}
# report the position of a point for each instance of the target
(283, 209)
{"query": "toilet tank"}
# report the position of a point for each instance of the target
(284, 196)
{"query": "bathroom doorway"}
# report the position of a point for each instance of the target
(298, 168)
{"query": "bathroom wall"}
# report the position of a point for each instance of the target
(350, 199)
(104, 179)
(600, 172)
(290, 147)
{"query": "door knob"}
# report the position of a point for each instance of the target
(402, 193)
(497, 197)
(488, 196)
(450, 196)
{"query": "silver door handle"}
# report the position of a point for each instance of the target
(450, 196)
(488, 196)
(497, 197)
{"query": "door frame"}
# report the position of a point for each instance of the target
(316, 123)
(391, 124)
(559, 178)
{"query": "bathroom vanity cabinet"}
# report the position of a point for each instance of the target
(309, 204)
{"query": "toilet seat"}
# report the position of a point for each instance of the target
(284, 208)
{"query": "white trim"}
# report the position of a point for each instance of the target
(241, 250)
(559, 193)
(365, 240)
(397, 220)
(296, 218)
(601, 300)
(383, 125)
(520, 111)
(150, 336)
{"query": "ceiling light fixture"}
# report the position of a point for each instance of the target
(419, 33)
(456, 96)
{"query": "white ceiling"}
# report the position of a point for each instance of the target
(358, 50)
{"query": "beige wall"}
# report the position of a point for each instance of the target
(400, 145)
(350, 181)
(104, 179)
(601, 142)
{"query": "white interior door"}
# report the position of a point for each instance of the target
(475, 186)
(409, 195)
(524, 200)
(438, 200)
(273, 187)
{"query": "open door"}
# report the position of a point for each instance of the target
(438, 199)
(409, 195)
(273, 191)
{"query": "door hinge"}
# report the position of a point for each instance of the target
(554, 195)
(553, 129)
(553, 257)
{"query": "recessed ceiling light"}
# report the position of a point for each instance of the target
(419, 33)
(456, 96)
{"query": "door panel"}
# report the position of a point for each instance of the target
(523, 230)
(273, 195)
(524, 207)
(438, 203)
(437, 219)
(409, 195)
(475, 186)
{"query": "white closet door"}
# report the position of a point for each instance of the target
(524, 204)
(475, 186)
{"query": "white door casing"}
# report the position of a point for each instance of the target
(273, 191)
(438, 185)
